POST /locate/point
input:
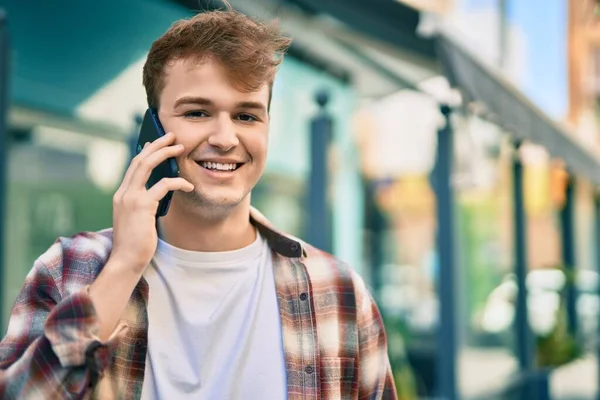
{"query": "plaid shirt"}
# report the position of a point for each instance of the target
(334, 339)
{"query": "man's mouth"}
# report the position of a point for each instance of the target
(223, 167)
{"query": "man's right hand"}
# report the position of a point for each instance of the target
(134, 231)
(134, 207)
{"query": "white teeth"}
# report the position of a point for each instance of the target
(218, 166)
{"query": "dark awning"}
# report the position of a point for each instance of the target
(388, 21)
(62, 54)
(511, 109)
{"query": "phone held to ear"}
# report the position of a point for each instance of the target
(150, 131)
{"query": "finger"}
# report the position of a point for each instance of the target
(166, 185)
(149, 148)
(144, 168)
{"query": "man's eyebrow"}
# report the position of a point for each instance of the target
(201, 101)
(252, 105)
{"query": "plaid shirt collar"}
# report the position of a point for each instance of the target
(283, 244)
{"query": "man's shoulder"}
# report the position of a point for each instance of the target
(318, 259)
(85, 250)
(327, 270)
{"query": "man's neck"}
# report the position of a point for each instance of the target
(187, 230)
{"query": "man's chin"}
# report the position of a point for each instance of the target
(212, 201)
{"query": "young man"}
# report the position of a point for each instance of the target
(210, 301)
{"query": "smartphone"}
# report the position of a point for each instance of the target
(151, 130)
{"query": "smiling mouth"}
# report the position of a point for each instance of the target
(220, 167)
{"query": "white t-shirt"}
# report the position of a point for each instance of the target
(214, 326)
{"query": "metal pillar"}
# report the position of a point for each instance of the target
(597, 241)
(4, 70)
(442, 183)
(523, 333)
(567, 223)
(375, 223)
(319, 231)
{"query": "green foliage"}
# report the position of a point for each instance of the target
(559, 346)
(404, 377)
(405, 382)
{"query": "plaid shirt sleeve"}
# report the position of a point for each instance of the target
(43, 353)
(375, 373)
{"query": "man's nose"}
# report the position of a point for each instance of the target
(224, 135)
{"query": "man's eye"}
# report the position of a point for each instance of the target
(195, 114)
(247, 118)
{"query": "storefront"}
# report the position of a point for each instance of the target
(476, 256)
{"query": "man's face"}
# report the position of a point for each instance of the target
(224, 132)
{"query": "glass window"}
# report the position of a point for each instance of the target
(51, 193)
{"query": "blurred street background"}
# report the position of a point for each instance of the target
(449, 150)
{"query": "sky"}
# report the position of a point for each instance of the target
(542, 25)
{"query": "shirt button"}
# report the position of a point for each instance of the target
(303, 296)
(309, 369)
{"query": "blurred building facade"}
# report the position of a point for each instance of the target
(535, 56)
(75, 99)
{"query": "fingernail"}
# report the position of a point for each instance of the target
(146, 144)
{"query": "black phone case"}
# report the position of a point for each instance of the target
(151, 130)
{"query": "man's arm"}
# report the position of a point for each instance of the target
(375, 380)
(54, 345)
(43, 355)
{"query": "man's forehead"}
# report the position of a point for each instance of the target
(206, 75)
